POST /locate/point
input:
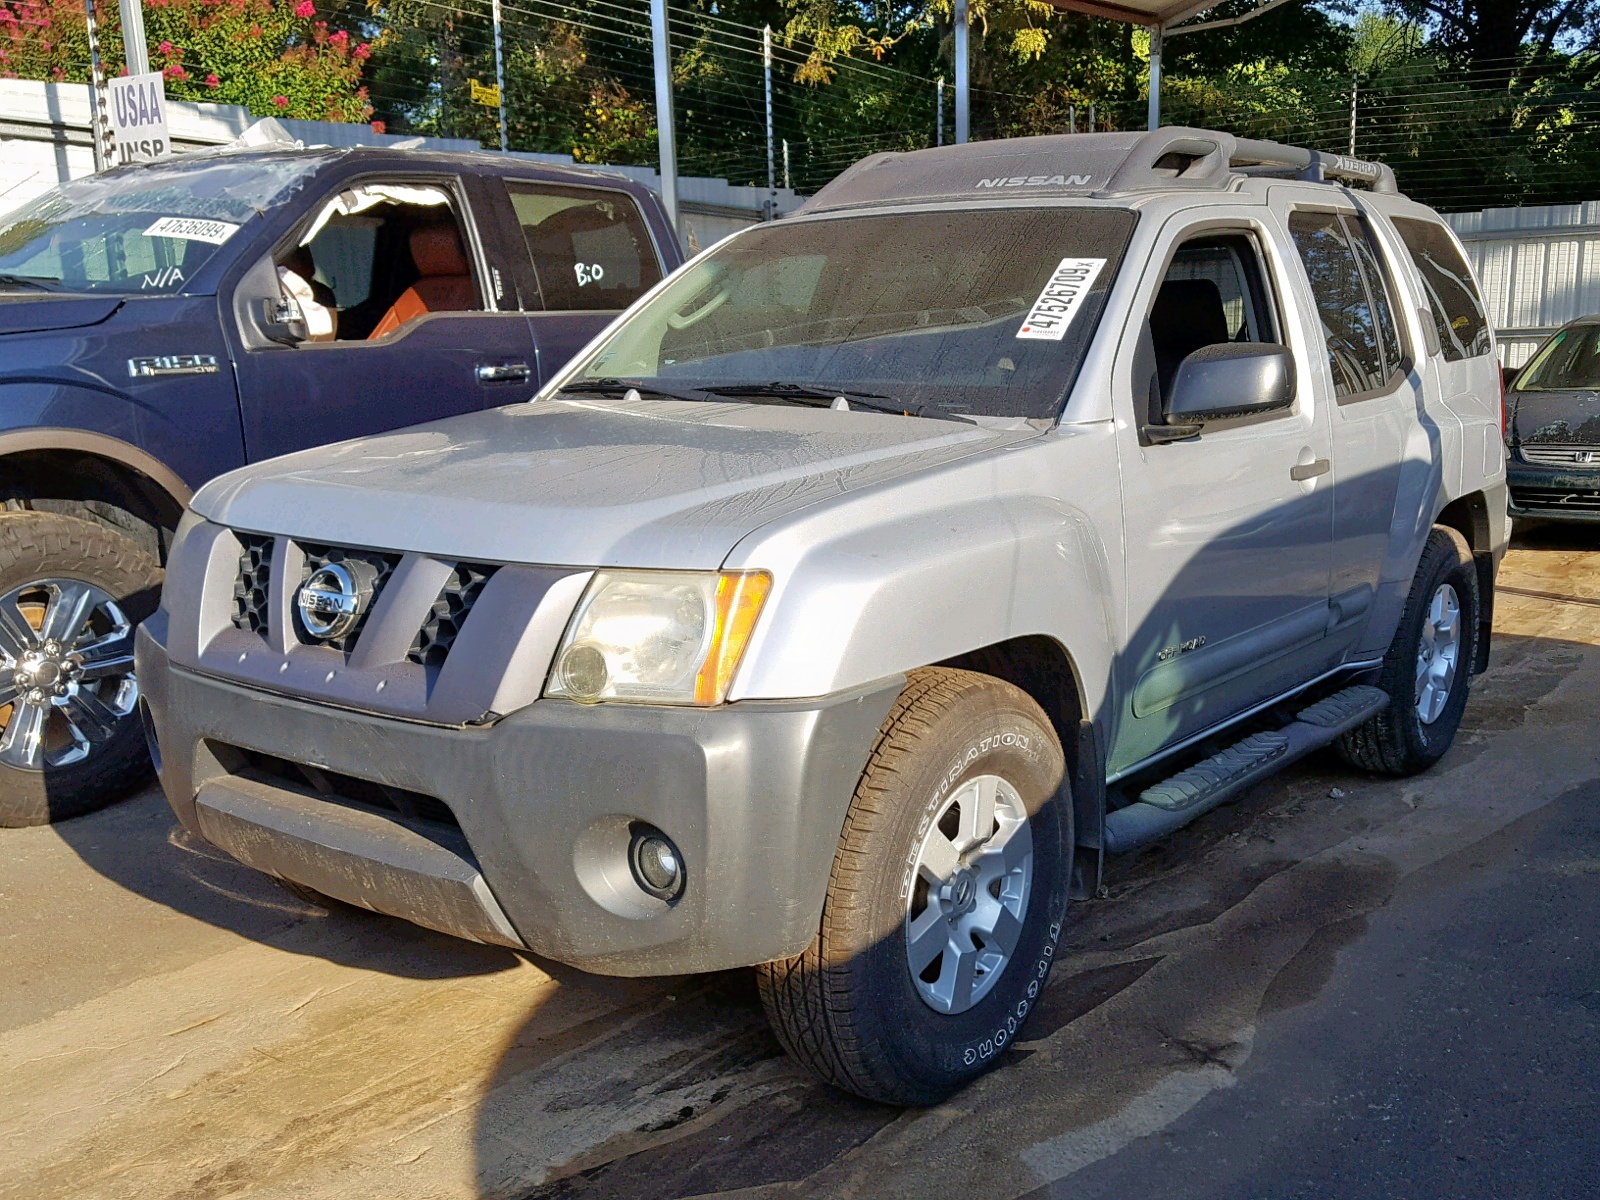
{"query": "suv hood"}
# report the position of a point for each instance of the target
(36, 312)
(1571, 417)
(652, 483)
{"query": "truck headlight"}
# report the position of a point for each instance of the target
(658, 637)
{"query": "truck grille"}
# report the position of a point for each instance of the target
(250, 589)
(438, 633)
(1562, 456)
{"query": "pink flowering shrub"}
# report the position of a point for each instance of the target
(270, 55)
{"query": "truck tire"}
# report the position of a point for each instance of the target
(71, 594)
(1428, 667)
(945, 902)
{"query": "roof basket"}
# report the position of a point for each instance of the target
(1087, 164)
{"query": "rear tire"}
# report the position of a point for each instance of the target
(1427, 695)
(967, 772)
(71, 593)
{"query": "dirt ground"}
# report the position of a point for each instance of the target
(174, 1026)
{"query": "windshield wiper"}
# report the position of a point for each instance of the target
(37, 282)
(610, 386)
(819, 397)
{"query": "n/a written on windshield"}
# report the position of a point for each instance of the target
(1061, 299)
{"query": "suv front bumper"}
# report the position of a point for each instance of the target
(1552, 493)
(754, 795)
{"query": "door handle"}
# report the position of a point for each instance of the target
(504, 373)
(1310, 470)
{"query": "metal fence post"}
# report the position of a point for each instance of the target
(1155, 76)
(772, 167)
(963, 80)
(135, 48)
(664, 127)
(500, 77)
(99, 108)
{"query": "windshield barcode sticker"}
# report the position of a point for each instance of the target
(1061, 299)
(192, 229)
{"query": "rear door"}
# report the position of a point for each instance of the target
(1387, 445)
(585, 254)
(408, 311)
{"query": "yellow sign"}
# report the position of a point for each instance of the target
(488, 96)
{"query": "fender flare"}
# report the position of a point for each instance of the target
(17, 441)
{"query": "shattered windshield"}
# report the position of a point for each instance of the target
(140, 229)
(985, 312)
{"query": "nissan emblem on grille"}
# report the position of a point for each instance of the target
(330, 602)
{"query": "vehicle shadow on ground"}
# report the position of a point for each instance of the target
(139, 845)
(683, 1092)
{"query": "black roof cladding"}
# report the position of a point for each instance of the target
(1086, 164)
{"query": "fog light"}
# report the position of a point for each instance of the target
(657, 866)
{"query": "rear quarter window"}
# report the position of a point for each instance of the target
(1453, 299)
(1353, 301)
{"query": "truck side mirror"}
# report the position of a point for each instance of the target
(1228, 380)
(282, 321)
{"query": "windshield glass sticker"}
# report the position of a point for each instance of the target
(1061, 299)
(192, 229)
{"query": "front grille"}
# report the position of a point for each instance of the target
(1556, 499)
(331, 785)
(250, 589)
(1562, 456)
(318, 557)
(438, 634)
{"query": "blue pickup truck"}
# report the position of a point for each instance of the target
(163, 323)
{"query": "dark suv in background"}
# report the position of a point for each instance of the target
(161, 324)
(1553, 427)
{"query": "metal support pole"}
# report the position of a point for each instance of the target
(938, 108)
(786, 182)
(99, 108)
(135, 49)
(500, 77)
(772, 168)
(1352, 118)
(1155, 76)
(664, 124)
(1072, 118)
(963, 75)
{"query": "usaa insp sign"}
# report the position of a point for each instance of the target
(139, 117)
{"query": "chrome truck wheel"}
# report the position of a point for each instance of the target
(71, 593)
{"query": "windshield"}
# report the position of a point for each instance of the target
(142, 229)
(1570, 361)
(981, 313)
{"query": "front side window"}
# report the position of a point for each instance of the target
(590, 248)
(1453, 299)
(985, 312)
(378, 256)
(1353, 300)
(1569, 361)
(144, 229)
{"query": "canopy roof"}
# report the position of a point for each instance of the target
(1138, 12)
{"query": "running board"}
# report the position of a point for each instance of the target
(1175, 802)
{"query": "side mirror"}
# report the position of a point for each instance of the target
(1230, 379)
(282, 321)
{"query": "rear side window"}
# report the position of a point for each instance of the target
(590, 249)
(1353, 301)
(1453, 298)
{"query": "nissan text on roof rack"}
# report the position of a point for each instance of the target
(842, 607)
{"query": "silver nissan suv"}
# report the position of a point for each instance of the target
(852, 596)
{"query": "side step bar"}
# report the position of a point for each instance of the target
(1175, 802)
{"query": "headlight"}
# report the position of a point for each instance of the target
(658, 637)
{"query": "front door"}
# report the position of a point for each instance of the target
(391, 281)
(1228, 534)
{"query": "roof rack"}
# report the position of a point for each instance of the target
(1094, 164)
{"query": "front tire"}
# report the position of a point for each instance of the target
(946, 899)
(1427, 669)
(71, 594)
